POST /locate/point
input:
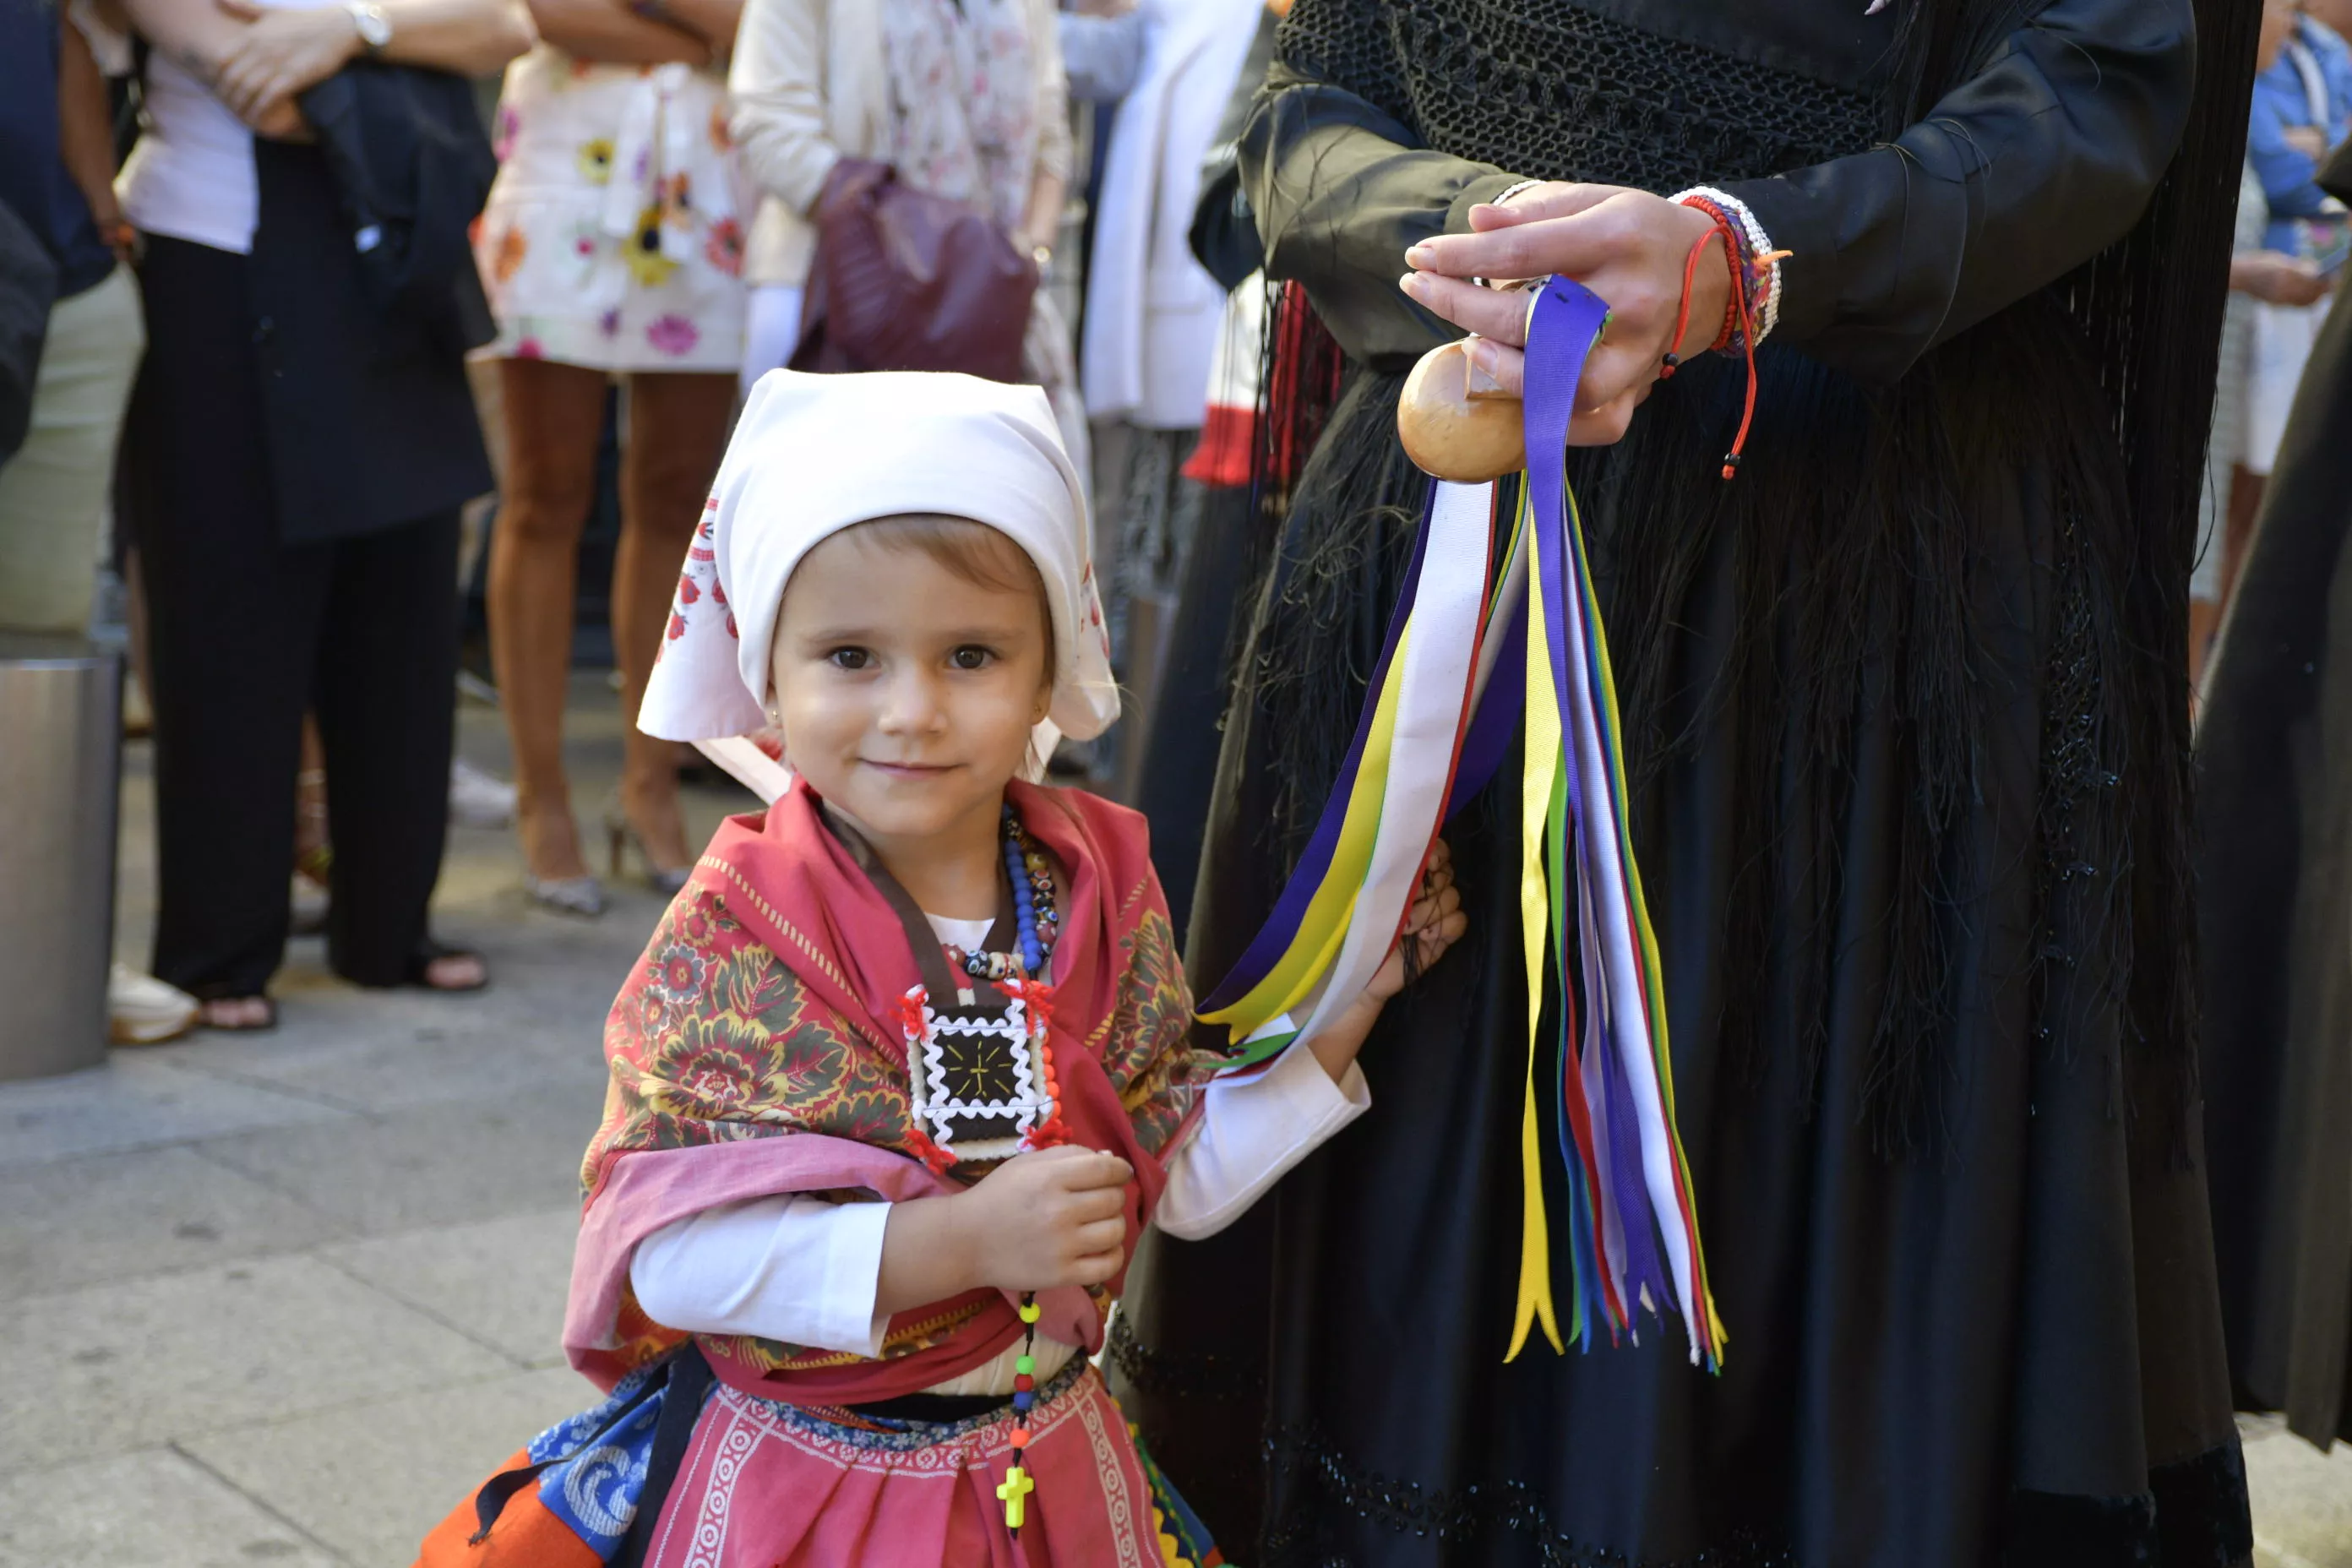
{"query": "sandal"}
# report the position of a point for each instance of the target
(237, 1015)
(421, 962)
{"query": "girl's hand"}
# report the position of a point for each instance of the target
(1434, 923)
(279, 54)
(1056, 1217)
(1628, 247)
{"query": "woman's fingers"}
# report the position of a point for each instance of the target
(1500, 315)
(1604, 424)
(1578, 244)
(1553, 198)
(1612, 370)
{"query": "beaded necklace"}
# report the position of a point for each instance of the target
(1037, 920)
(1036, 923)
(962, 1089)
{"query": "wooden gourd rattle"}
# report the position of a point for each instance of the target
(1454, 433)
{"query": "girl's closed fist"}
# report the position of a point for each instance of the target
(1049, 1219)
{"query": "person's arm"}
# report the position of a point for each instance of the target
(2041, 159)
(2276, 277)
(1250, 1133)
(792, 1267)
(1342, 193)
(777, 83)
(610, 31)
(809, 1271)
(712, 21)
(2044, 157)
(277, 53)
(2287, 163)
(85, 132)
(197, 36)
(1051, 180)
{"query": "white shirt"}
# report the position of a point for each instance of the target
(191, 176)
(804, 1270)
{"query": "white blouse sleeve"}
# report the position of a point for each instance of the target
(791, 1268)
(1250, 1133)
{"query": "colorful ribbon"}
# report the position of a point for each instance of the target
(1474, 652)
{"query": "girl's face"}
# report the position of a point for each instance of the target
(905, 690)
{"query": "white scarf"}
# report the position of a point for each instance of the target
(815, 454)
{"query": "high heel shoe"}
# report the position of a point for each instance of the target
(668, 881)
(580, 896)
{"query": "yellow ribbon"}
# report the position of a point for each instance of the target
(1543, 761)
(1325, 924)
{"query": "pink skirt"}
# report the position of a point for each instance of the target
(765, 1485)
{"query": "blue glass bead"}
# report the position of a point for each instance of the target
(1022, 1402)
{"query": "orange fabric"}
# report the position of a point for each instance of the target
(526, 1535)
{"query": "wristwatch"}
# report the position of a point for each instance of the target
(372, 23)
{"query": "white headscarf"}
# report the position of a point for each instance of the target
(815, 454)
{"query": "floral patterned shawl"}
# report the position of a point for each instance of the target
(757, 1049)
(964, 101)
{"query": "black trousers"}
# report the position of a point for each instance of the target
(247, 633)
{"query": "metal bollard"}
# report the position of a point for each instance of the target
(61, 739)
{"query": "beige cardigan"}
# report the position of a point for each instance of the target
(810, 86)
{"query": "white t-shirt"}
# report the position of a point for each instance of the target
(191, 176)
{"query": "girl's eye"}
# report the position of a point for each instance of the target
(849, 658)
(971, 657)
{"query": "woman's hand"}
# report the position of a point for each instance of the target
(1053, 1218)
(1628, 247)
(2277, 278)
(279, 54)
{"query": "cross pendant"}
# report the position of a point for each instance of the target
(1015, 1489)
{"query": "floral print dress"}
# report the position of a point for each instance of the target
(613, 236)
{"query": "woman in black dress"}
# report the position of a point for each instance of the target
(1908, 721)
(2275, 900)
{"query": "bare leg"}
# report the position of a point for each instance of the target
(553, 414)
(311, 806)
(677, 427)
(2204, 620)
(2238, 536)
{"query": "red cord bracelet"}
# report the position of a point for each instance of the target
(1738, 325)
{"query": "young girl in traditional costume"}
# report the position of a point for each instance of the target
(906, 1069)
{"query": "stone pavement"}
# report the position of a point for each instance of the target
(284, 1299)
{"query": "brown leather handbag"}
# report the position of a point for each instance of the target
(905, 280)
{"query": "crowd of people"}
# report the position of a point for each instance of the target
(1958, 440)
(299, 432)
